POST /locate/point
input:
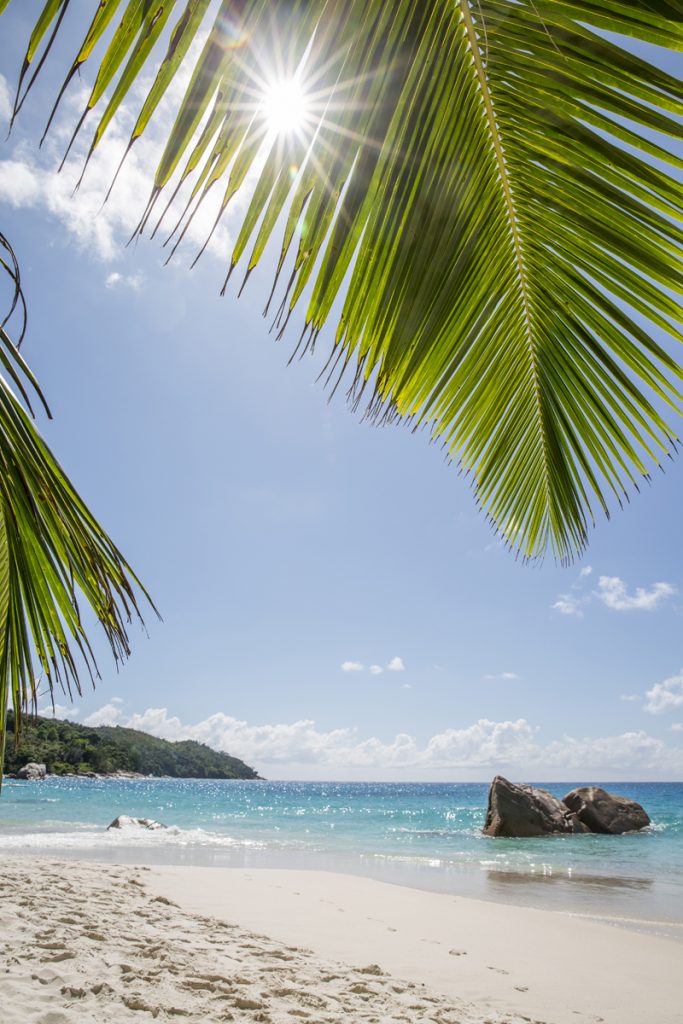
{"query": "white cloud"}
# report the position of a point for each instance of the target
(59, 710)
(629, 696)
(631, 751)
(484, 746)
(300, 742)
(676, 726)
(395, 665)
(665, 696)
(109, 714)
(117, 280)
(572, 602)
(613, 593)
(29, 178)
(406, 686)
(5, 103)
(504, 676)
(568, 604)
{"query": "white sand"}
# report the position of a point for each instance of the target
(95, 943)
(536, 963)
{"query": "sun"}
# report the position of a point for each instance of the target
(285, 106)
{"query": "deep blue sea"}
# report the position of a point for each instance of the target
(424, 835)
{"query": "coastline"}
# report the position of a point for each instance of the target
(424, 837)
(87, 941)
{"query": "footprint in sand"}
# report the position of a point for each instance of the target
(498, 970)
(46, 977)
(458, 952)
(73, 993)
(371, 969)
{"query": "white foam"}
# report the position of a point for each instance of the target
(115, 838)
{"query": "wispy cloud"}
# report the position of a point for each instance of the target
(5, 103)
(569, 604)
(665, 696)
(613, 593)
(395, 665)
(504, 676)
(28, 177)
(117, 280)
(629, 696)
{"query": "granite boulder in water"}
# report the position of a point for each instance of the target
(32, 771)
(516, 810)
(606, 813)
(124, 821)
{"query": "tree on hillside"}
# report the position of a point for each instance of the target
(488, 190)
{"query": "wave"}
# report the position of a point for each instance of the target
(126, 837)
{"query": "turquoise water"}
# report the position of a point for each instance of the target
(426, 835)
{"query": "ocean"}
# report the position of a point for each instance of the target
(419, 834)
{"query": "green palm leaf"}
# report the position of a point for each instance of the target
(53, 554)
(489, 191)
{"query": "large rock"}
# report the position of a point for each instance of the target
(517, 810)
(604, 812)
(124, 821)
(32, 771)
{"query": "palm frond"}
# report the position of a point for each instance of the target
(488, 188)
(53, 553)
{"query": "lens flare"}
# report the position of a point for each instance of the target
(285, 106)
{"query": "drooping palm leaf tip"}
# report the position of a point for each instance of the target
(53, 552)
(487, 189)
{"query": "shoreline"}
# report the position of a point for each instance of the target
(425, 838)
(569, 896)
(87, 941)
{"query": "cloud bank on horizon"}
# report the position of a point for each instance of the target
(300, 749)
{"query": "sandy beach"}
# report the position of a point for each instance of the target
(88, 942)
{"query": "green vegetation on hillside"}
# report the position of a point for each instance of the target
(66, 747)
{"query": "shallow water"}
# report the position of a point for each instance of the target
(425, 835)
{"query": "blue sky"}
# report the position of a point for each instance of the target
(286, 543)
